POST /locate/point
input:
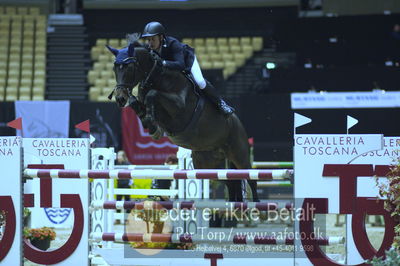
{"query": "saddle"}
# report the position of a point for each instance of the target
(190, 77)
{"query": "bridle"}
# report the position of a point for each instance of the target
(144, 84)
(127, 86)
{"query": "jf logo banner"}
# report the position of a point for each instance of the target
(138, 144)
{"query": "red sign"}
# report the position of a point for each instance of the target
(139, 146)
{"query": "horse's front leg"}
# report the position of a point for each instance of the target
(140, 110)
(172, 103)
(155, 131)
(137, 106)
(148, 120)
(149, 102)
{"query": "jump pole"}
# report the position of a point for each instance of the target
(241, 239)
(191, 205)
(212, 174)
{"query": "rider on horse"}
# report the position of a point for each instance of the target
(178, 56)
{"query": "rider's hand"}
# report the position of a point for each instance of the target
(157, 58)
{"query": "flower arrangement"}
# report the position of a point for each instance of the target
(391, 258)
(39, 233)
(392, 203)
(391, 191)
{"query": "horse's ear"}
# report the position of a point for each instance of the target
(131, 49)
(112, 50)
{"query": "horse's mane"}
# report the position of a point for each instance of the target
(133, 38)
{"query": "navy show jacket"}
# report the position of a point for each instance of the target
(177, 55)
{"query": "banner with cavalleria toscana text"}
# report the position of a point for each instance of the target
(61, 153)
(138, 144)
(10, 200)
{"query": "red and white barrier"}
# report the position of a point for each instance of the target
(213, 174)
(258, 165)
(242, 238)
(192, 205)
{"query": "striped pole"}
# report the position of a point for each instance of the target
(192, 205)
(198, 238)
(271, 165)
(261, 165)
(215, 174)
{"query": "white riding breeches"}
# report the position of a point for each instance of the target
(197, 75)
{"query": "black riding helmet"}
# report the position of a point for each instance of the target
(153, 28)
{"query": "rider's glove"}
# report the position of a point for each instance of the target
(157, 58)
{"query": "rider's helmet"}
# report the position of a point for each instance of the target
(153, 28)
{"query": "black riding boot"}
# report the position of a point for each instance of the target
(212, 94)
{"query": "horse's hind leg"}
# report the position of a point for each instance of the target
(238, 152)
(235, 188)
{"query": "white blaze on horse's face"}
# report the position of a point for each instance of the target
(154, 42)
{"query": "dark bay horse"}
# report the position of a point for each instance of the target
(167, 102)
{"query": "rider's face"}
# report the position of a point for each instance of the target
(154, 42)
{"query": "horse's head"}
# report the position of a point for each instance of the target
(130, 67)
